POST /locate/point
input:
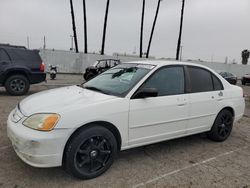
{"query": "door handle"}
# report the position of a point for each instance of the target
(182, 104)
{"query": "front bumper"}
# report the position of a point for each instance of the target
(38, 148)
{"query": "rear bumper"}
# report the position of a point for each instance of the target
(37, 77)
(247, 80)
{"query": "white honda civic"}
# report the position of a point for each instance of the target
(133, 104)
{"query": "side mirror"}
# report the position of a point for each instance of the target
(145, 93)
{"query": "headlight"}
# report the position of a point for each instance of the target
(42, 122)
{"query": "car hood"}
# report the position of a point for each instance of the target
(56, 100)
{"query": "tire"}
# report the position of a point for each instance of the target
(222, 126)
(17, 85)
(243, 82)
(89, 76)
(52, 76)
(90, 152)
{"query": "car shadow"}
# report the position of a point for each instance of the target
(136, 155)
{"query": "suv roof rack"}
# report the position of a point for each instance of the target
(12, 46)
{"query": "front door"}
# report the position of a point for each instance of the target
(165, 116)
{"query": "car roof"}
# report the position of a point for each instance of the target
(165, 62)
(108, 59)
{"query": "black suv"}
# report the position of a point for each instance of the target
(20, 67)
(99, 66)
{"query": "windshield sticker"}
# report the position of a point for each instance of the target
(145, 66)
(127, 77)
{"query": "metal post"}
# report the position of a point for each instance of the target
(72, 38)
(85, 28)
(180, 32)
(142, 21)
(44, 42)
(28, 42)
(74, 25)
(104, 28)
(153, 27)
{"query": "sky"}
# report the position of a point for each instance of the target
(212, 30)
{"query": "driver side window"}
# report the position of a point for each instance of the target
(167, 81)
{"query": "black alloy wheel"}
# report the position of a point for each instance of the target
(90, 153)
(222, 126)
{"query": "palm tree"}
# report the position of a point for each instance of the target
(85, 28)
(104, 28)
(74, 25)
(142, 20)
(180, 32)
(153, 27)
(245, 55)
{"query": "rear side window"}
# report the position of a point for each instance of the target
(217, 83)
(200, 80)
(4, 56)
(27, 55)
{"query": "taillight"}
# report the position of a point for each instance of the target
(42, 67)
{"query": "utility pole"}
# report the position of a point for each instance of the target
(85, 28)
(180, 32)
(153, 27)
(104, 28)
(44, 42)
(28, 42)
(74, 25)
(142, 21)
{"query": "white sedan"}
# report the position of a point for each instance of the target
(83, 127)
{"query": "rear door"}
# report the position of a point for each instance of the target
(205, 97)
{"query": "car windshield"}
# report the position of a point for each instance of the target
(96, 63)
(119, 80)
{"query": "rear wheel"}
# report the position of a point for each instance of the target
(17, 85)
(243, 82)
(90, 152)
(52, 76)
(222, 126)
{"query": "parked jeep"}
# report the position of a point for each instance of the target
(20, 67)
(99, 66)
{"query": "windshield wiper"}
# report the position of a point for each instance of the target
(95, 89)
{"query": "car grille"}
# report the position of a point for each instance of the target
(17, 115)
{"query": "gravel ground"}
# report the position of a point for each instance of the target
(192, 161)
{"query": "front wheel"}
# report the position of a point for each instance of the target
(90, 152)
(222, 126)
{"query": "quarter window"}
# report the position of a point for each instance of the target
(167, 81)
(200, 80)
(217, 83)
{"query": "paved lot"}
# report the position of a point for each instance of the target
(193, 161)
